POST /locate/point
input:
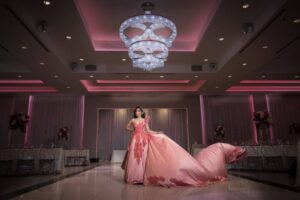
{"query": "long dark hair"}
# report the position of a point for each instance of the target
(141, 109)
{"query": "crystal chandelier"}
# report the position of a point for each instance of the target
(150, 49)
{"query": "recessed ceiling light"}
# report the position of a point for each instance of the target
(161, 76)
(244, 64)
(68, 37)
(91, 76)
(23, 47)
(68, 87)
(81, 59)
(20, 76)
(263, 76)
(296, 21)
(221, 39)
(42, 63)
(47, 3)
(55, 76)
(245, 6)
(123, 59)
(265, 47)
(296, 76)
(205, 60)
(229, 76)
(126, 76)
(196, 76)
(217, 87)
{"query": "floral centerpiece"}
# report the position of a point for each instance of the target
(18, 121)
(262, 121)
(63, 133)
(219, 131)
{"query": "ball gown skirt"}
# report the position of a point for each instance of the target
(155, 159)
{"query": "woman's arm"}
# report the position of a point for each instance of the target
(150, 131)
(129, 126)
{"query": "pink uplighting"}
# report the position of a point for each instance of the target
(252, 109)
(269, 111)
(264, 89)
(203, 125)
(82, 120)
(29, 112)
(142, 81)
(142, 88)
(104, 37)
(271, 81)
(20, 89)
(21, 82)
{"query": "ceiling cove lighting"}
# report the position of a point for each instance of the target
(150, 49)
(270, 81)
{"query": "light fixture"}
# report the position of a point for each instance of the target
(91, 76)
(20, 76)
(23, 47)
(296, 76)
(161, 76)
(123, 59)
(196, 76)
(47, 3)
(55, 76)
(296, 21)
(221, 39)
(244, 64)
(68, 37)
(205, 60)
(229, 76)
(42, 63)
(68, 87)
(126, 76)
(263, 76)
(217, 87)
(81, 59)
(265, 47)
(245, 6)
(150, 49)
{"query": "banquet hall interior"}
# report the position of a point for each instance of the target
(205, 71)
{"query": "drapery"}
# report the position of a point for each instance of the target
(6, 103)
(52, 112)
(112, 134)
(233, 112)
(284, 110)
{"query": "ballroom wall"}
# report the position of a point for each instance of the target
(49, 112)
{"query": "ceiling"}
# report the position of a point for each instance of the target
(33, 46)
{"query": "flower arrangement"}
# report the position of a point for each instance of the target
(219, 131)
(262, 119)
(18, 121)
(63, 133)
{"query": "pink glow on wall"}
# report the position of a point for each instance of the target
(269, 111)
(264, 89)
(202, 114)
(142, 88)
(95, 15)
(29, 112)
(252, 109)
(142, 81)
(21, 82)
(271, 81)
(82, 104)
(21, 89)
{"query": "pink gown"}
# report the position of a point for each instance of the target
(155, 159)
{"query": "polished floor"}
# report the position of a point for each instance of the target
(105, 182)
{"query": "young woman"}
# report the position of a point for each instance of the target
(152, 158)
